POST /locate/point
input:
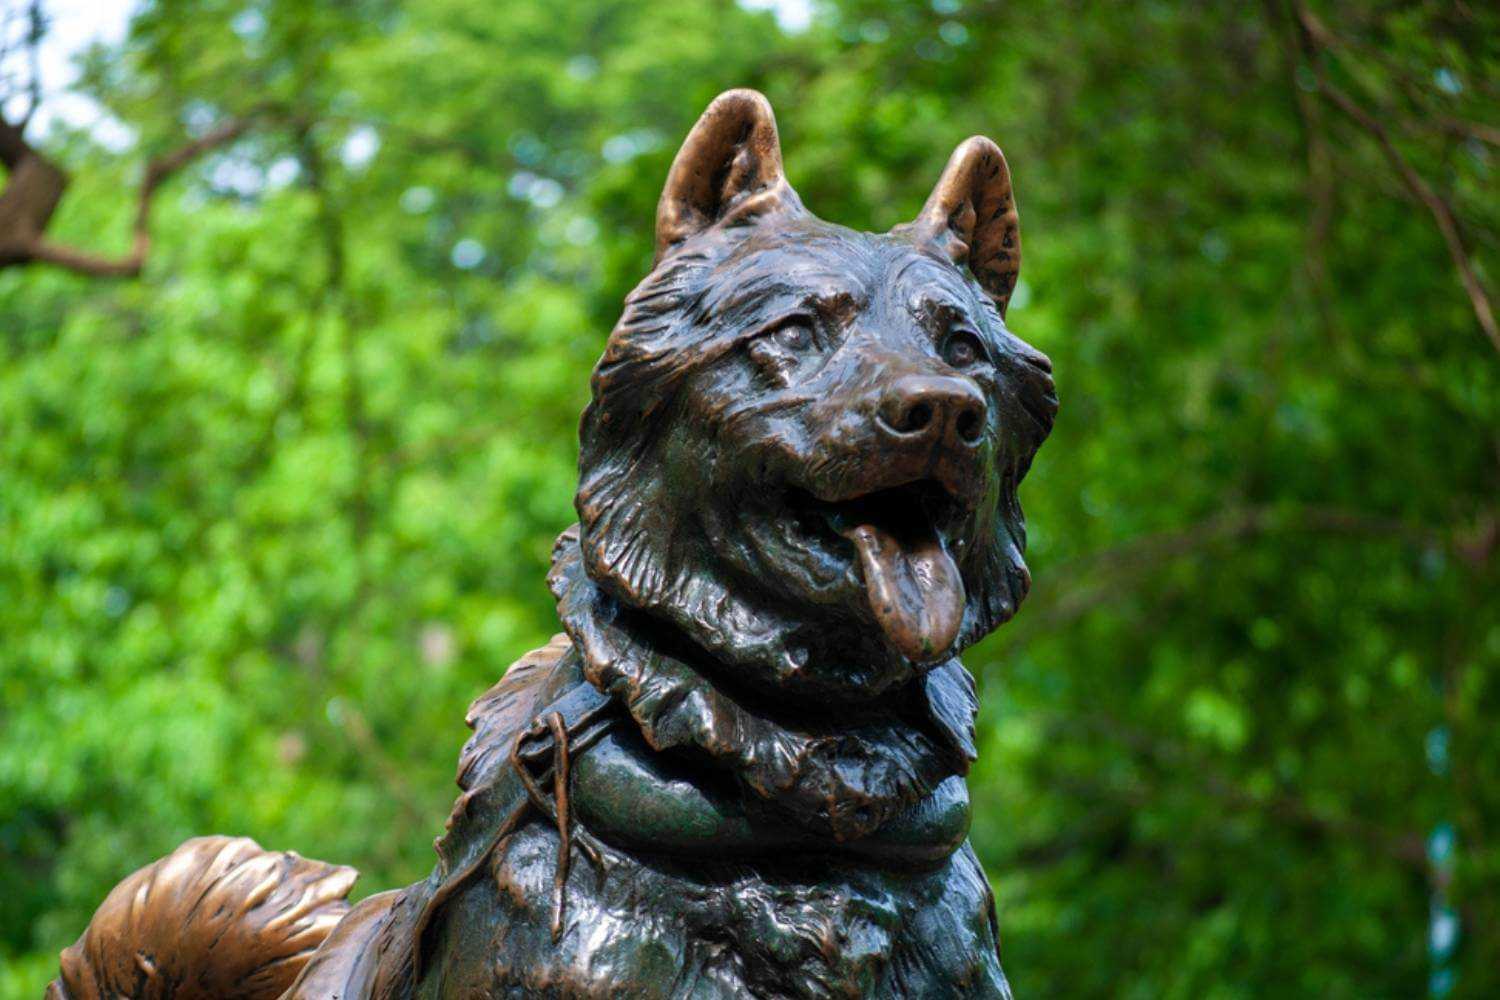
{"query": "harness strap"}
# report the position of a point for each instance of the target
(560, 731)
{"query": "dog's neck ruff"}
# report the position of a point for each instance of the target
(831, 774)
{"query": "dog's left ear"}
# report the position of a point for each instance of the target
(971, 215)
(728, 170)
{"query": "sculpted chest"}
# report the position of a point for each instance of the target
(724, 887)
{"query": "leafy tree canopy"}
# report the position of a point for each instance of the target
(275, 509)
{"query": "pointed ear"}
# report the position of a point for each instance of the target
(728, 169)
(971, 215)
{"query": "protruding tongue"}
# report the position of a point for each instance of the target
(913, 587)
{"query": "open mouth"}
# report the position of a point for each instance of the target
(912, 583)
(911, 508)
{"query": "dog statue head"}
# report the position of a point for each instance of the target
(805, 442)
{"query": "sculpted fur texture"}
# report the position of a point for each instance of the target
(740, 770)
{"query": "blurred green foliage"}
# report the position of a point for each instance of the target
(273, 513)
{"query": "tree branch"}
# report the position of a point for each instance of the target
(1283, 805)
(13, 147)
(1320, 180)
(1136, 557)
(35, 185)
(1470, 130)
(36, 28)
(1318, 38)
(1156, 548)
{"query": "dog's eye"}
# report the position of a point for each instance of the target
(962, 350)
(794, 336)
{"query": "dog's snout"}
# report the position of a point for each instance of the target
(931, 407)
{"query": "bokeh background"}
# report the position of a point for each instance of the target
(273, 510)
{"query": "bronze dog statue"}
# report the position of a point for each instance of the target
(741, 770)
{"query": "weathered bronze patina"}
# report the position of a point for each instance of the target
(740, 771)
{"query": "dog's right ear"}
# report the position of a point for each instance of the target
(727, 171)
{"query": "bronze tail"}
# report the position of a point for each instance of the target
(217, 918)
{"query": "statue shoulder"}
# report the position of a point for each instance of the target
(500, 714)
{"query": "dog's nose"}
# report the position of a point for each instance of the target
(933, 407)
